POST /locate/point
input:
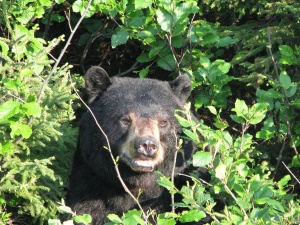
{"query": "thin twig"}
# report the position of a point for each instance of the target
(110, 152)
(73, 31)
(173, 171)
(291, 173)
(279, 157)
(285, 101)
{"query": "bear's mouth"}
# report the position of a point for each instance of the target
(137, 164)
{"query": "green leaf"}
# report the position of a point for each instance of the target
(85, 218)
(286, 50)
(201, 159)
(192, 135)
(54, 222)
(166, 219)
(6, 148)
(212, 109)
(144, 72)
(167, 63)
(164, 19)
(9, 109)
(142, 4)
(241, 108)
(257, 112)
(166, 183)
(119, 38)
(243, 204)
(4, 48)
(284, 181)
(192, 216)
(268, 129)
(262, 195)
(237, 119)
(205, 62)
(114, 218)
(226, 41)
(296, 161)
(276, 205)
(221, 171)
(146, 36)
(20, 129)
(26, 72)
(243, 170)
(292, 90)
(32, 108)
(77, 6)
(182, 10)
(285, 80)
(59, 1)
(46, 2)
(12, 83)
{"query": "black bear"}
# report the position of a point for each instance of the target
(137, 117)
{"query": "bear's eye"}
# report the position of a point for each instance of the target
(126, 121)
(163, 123)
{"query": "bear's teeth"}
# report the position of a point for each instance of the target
(143, 163)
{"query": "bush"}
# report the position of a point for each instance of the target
(243, 59)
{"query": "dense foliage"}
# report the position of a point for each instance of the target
(243, 58)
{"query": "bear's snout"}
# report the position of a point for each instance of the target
(146, 146)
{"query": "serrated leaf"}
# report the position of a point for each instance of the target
(262, 195)
(192, 135)
(296, 161)
(85, 218)
(20, 129)
(286, 50)
(115, 218)
(237, 119)
(26, 72)
(241, 108)
(243, 204)
(119, 38)
(183, 10)
(221, 171)
(32, 108)
(4, 48)
(285, 80)
(284, 181)
(142, 4)
(9, 109)
(205, 62)
(54, 222)
(257, 112)
(201, 159)
(164, 19)
(167, 62)
(226, 41)
(268, 130)
(192, 216)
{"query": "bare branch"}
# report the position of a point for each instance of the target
(291, 173)
(73, 31)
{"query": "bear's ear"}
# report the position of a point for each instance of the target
(181, 87)
(96, 82)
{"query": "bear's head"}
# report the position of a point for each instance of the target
(137, 116)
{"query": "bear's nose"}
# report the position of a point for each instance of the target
(146, 146)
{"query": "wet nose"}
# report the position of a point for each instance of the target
(146, 146)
